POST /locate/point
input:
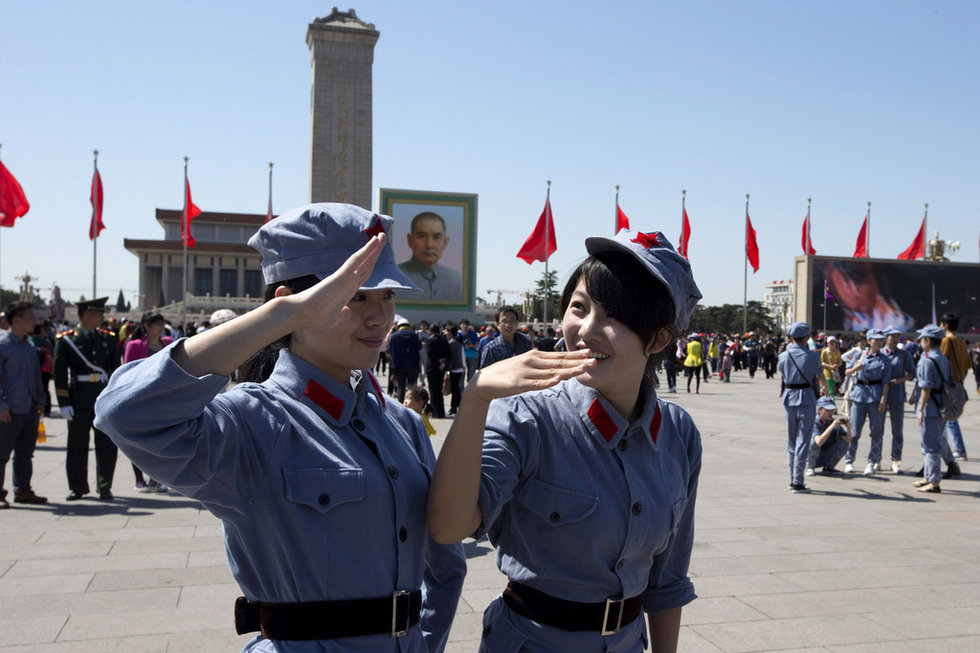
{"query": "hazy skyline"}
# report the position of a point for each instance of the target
(841, 102)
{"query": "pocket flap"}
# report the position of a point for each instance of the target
(558, 505)
(324, 488)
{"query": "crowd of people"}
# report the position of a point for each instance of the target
(342, 527)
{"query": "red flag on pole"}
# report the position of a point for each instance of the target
(95, 227)
(190, 212)
(861, 248)
(751, 246)
(622, 222)
(918, 247)
(685, 236)
(807, 243)
(534, 248)
(13, 202)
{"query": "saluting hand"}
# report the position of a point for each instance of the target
(533, 370)
(324, 306)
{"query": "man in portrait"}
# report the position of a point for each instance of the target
(428, 240)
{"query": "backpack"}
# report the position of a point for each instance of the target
(954, 397)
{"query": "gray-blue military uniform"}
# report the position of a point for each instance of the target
(798, 366)
(321, 489)
(832, 450)
(901, 364)
(870, 383)
(933, 367)
(584, 507)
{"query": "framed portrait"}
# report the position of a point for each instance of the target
(434, 240)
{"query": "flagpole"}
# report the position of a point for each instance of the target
(269, 214)
(808, 226)
(547, 241)
(925, 232)
(867, 233)
(184, 229)
(745, 287)
(683, 243)
(616, 212)
(95, 220)
(825, 290)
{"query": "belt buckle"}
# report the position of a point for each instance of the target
(399, 603)
(93, 378)
(619, 617)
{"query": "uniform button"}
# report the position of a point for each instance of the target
(324, 499)
(555, 516)
(637, 508)
(402, 534)
(623, 445)
(357, 424)
(619, 565)
(393, 471)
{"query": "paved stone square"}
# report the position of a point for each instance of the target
(859, 565)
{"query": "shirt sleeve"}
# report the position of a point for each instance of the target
(670, 585)
(173, 426)
(509, 450)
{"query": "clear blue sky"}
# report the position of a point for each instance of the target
(845, 102)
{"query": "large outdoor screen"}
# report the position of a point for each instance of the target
(863, 293)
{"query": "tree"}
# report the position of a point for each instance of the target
(546, 286)
(727, 318)
(120, 303)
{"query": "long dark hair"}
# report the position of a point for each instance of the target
(150, 317)
(259, 367)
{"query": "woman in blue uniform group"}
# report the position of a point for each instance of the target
(932, 369)
(319, 479)
(586, 483)
(869, 400)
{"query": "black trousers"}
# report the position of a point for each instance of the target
(18, 436)
(403, 377)
(456, 388)
(76, 461)
(434, 380)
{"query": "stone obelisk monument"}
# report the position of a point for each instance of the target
(342, 49)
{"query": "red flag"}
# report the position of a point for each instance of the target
(861, 248)
(918, 247)
(190, 212)
(751, 246)
(95, 226)
(13, 202)
(622, 222)
(807, 243)
(685, 236)
(534, 248)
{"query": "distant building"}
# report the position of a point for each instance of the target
(221, 265)
(778, 302)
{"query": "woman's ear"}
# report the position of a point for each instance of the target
(660, 340)
(282, 291)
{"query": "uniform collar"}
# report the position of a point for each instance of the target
(332, 401)
(605, 424)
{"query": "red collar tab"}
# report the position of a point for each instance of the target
(602, 420)
(646, 240)
(376, 228)
(377, 388)
(334, 406)
(655, 423)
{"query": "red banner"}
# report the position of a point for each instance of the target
(807, 243)
(190, 212)
(13, 202)
(685, 236)
(534, 248)
(918, 247)
(95, 226)
(861, 248)
(622, 222)
(751, 245)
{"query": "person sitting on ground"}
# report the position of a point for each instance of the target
(831, 435)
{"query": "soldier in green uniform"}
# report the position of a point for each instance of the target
(84, 357)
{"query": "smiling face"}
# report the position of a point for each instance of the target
(352, 344)
(428, 239)
(621, 354)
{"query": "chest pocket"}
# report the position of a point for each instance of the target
(558, 506)
(324, 488)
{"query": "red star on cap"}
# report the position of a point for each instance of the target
(647, 240)
(376, 229)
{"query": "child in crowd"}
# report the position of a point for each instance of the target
(417, 399)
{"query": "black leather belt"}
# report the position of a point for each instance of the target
(394, 615)
(860, 382)
(607, 616)
(797, 386)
